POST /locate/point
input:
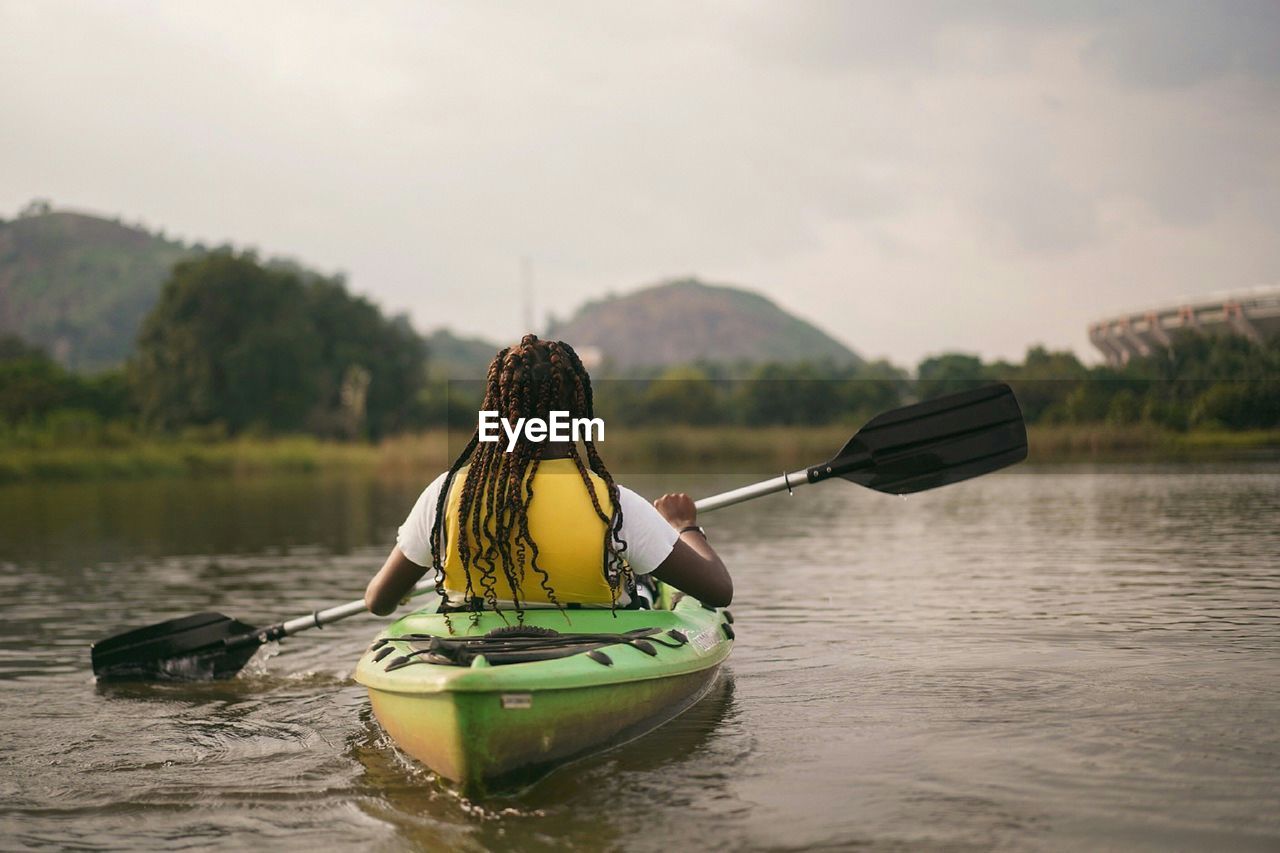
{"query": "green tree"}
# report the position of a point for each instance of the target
(1123, 408)
(1043, 382)
(34, 388)
(869, 389)
(355, 338)
(31, 386)
(949, 372)
(251, 346)
(682, 395)
(1222, 381)
(796, 394)
(1238, 405)
(230, 341)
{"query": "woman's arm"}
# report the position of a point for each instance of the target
(693, 565)
(392, 583)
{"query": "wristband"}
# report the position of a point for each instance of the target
(684, 530)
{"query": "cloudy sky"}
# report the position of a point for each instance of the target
(912, 177)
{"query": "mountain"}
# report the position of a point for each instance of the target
(685, 321)
(79, 285)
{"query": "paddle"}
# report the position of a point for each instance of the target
(924, 446)
(911, 449)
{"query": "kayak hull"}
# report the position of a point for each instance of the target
(489, 728)
(470, 739)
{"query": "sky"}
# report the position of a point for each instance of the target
(913, 177)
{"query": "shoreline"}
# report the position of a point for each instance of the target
(766, 449)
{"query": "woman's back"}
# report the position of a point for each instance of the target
(568, 535)
(562, 564)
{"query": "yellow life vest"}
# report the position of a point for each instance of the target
(566, 528)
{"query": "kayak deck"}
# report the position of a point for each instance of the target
(488, 727)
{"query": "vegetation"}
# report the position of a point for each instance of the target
(58, 424)
(245, 366)
(629, 451)
(249, 347)
(1207, 383)
(1212, 384)
(41, 403)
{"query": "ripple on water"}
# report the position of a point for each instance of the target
(1060, 658)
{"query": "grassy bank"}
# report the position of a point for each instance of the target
(1102, 442)
(771, 449)
(638, 450)
(178, 458)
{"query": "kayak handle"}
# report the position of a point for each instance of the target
(783, 482)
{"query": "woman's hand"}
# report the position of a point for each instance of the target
(677, 509)
(693, 565)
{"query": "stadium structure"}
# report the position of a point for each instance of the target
(1253, 313)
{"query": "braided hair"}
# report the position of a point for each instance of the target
(494, 543)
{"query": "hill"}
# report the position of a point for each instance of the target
(451, 356)
(687, 321)
(79, 285)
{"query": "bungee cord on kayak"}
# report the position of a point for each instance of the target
(515, 645)
(528, 380)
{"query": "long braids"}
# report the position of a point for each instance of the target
(528, 380)
(614, 567)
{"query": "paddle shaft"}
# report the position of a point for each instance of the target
(780, 483)
(324, 617)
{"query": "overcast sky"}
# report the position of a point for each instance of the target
(912, 177)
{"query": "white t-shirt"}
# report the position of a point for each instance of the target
(648, 535)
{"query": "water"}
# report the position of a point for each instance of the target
(1048, 658)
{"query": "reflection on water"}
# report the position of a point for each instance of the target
(1045, 658)
(579, 801)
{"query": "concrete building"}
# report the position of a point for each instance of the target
(1254, 313)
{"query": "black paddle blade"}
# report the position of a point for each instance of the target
(934, 443)
(186, 649)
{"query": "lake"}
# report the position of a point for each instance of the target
(1061, 657)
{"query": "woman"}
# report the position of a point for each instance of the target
(539, 525)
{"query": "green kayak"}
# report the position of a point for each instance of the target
(496, 704)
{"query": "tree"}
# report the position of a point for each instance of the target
(33, 387)
(1043, 382)
(797, 394)
(355, 338)
(229, 341)
(254, 346)
(681, 395)
(943, 374)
